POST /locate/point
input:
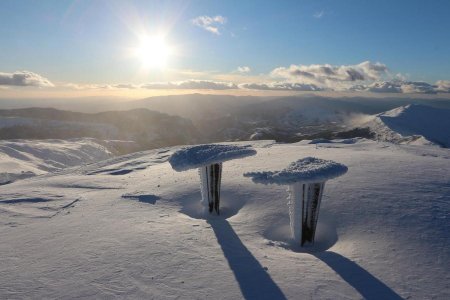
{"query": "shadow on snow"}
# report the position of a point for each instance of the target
(253, 279)
(365, 283)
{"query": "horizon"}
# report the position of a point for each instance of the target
(139, 49)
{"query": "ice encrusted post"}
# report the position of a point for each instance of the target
(210, 180)
(208, 159)
(306, 179)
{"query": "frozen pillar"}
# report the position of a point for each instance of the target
(304, 204)
(210, 180)
(306, 178)
(208, 160)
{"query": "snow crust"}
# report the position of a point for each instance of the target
(305, 170)
(202, 155)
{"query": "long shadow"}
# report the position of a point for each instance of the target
(365, 283)
(253, 279)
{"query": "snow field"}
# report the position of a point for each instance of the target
(383, 230)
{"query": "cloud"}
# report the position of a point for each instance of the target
(211, 24)
(126, 86)
(282, 86)
(92, 86)
(443, 86)
(326, 74)
(24, 78)
(191, 85)
(243, 69)
(319, 14)
(379, 87)
(417, 87)
(405, 87)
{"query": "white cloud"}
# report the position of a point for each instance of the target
(211, 24)
(126, 86)
(282, 86)
(243, 69)
(417, 87)
(24, 78)
(324, 74)
(191, 85)
(443, 86)
(319, 14)
(398, 86)
(91, 86)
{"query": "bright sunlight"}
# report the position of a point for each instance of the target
(153, 52)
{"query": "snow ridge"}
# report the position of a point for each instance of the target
(413, 124)
(306, 170)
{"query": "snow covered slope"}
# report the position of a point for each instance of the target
(20, 159)
(413, 124)
(131, 227)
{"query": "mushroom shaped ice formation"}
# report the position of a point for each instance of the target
(208, 159)
(306, 179)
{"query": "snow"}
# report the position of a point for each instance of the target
(413, 124)
(202, 155)
(383, 230)
(21, 159)
(305, 170)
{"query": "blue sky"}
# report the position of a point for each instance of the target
(87, 43)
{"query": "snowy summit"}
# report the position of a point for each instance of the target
(305, 170)
(201, 155)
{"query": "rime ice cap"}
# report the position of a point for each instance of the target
(202, 155)
(305, 170)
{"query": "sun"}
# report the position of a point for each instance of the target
(153, 51)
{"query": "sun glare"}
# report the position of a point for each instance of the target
(153, 52)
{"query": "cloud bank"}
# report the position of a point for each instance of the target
(364, 77)
(24, 78)
(405, 87)
(281, 86)
(327, 74)
(191, 85)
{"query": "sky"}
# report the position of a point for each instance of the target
(68, 48)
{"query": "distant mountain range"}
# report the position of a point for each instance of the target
(148, 129)
(197, 118)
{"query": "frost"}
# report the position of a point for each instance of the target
(208, 159)
(202, 155)
(306, 179)
(306, 170)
